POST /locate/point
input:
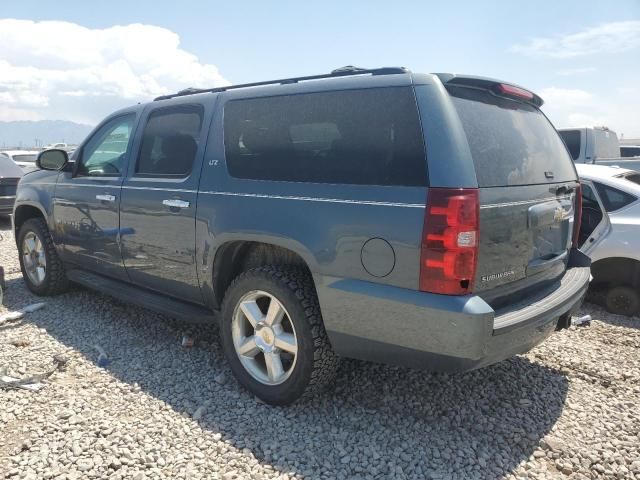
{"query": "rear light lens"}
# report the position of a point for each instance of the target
(450, 241)
(577, 217)
(511, 91)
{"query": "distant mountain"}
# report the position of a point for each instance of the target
(27, 134)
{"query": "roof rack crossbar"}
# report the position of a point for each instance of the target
(340, 72)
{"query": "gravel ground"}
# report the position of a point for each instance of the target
(159, 410)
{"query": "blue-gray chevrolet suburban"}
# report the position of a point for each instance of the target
(424, 220)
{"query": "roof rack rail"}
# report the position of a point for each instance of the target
(349, 70)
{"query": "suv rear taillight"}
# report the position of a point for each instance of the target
(450, 241)
(577, 216)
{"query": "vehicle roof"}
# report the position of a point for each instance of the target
(304, 86)
(612, 176)
(392, 76)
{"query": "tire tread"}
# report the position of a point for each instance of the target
(299, 281)
(57, 281)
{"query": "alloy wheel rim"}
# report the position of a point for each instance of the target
(264, 338)
(34, 258)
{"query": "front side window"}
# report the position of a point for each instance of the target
(612, 198)
(105, 153)
(170, 141)
(364, 137)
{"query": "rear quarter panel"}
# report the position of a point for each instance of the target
(623, 239)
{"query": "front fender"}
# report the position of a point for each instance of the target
(35, 191)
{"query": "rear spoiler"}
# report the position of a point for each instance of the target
(497, 87)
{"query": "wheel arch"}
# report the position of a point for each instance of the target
(24, 212)
(237, 256)
(616, 271)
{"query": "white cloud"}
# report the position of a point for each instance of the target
(579, 108)
(63, 70)
(611, 37)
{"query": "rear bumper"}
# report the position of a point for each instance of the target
(438, 332)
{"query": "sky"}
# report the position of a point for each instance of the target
(79, 60)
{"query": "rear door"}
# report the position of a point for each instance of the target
(158, 205)
(527, 188)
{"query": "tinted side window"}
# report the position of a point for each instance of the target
(105, 152)
(633, 177)
(612, 198)
(170, 141)
(366, 137)
(629, 151)
(572, 141)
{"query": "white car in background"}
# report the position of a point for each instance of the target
(25, 159)
(597, 145)
(610, 234)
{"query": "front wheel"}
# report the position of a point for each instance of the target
(273, 335)
(42, 269)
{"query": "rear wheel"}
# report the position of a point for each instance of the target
(273, 336)
(41, 267)
(623, 300)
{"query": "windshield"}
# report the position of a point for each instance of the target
(511, 142)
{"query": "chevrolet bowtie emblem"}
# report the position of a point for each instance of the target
(560, 214)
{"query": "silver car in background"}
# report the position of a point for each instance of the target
(610, 234)
(25, 159)
(10, 175)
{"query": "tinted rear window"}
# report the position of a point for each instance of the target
(613, 198)
(572, 141)
(366, 137)
(633, 177)
(512, 143)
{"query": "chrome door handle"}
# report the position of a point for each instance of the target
(106, 198)
(176, 203)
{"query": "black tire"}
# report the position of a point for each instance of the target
(623, 300)
(55, 279)
(316, 362)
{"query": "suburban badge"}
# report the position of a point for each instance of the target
(496, 276)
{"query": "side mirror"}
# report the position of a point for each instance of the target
(53, 159)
